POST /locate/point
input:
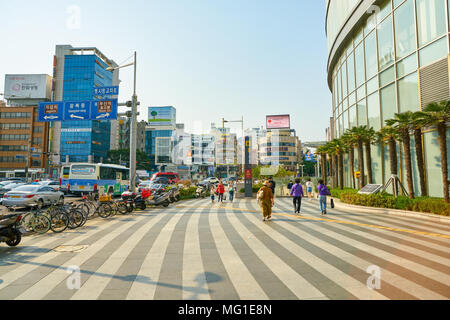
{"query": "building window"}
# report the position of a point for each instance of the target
(14, 126)
(407, 65)
(37, 141)
(408, 93)
(362, 113)
(430, 20)
(13, 148)
(12, 159)
(405, 31)
(14, 137)
(373, 111)
(433, 52)
(359, 65)
(388, 105)
(38, 129)
(371, 55)
(36, 163)
(385, 44)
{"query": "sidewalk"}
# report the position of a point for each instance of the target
(405, 213)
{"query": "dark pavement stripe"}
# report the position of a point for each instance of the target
(27, 281)
(413, 276)
(325, 285)
(170, 283)
(273, 287)
(219, 284)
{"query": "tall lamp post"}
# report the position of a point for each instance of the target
(133, 126)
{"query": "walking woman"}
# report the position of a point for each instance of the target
(323, 193)
(265, 196)
(297, 193)
(220, 191)
(309, 189)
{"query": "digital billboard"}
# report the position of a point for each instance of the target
(27, 86)
(162, 116)
(309, 156)
(278, 122)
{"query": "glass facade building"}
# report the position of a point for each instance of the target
(81, 139)
(387, 57)
(159, 147)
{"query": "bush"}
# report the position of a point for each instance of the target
(187, 193)
(384, 200)
(336, 193)
(255, 188)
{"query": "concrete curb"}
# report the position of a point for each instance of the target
(395, 212)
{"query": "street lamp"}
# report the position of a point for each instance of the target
(133, 125)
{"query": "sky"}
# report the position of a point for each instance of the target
(210, 59)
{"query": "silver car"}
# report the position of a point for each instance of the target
(28, 195)
(49, 183)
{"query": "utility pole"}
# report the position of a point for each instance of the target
(133, 134)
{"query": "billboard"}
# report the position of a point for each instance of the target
(309, 156)
(162, 116)
(278, 122)
(27, 86)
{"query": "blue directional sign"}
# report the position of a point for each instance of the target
(77, 110)
(51, 111)
(104, 110)
(106, 91)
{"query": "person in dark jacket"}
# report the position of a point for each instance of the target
(272, 185)
(289, 186)
(297, 193)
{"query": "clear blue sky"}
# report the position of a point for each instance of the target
(208, 58)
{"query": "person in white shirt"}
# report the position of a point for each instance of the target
(309, 189)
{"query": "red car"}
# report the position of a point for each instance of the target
(171, 176)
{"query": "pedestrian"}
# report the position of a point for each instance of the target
(297, 194)
(220, 191)
(212, 192)
(265, 196)
(289, 186)
(231, 190)
(309, 189)
(323, 193)
(272, 185)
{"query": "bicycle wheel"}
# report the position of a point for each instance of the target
(40, 224)
(76, 219)
(59, 222)
(25, 222)
(122, 207)
(104, 210)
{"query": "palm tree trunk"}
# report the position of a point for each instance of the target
(442, 136)
(420, 162)
(407, 149)
(361, 164)
(335, 171)
(341, 170)
(323, 161)
(369, 163)
(351, 156)
(393, 160)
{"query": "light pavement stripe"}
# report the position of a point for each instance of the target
(48, 283)
(418, 273)
(416, 241)
(417, 224)
(295, 282)
(35, 263)
(316, 239)
(245, 284)
(345, 281)
(193, 271)
(96, 283)
(151, 266)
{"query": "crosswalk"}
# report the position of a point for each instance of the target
(195, 250)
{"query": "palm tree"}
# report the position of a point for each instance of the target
(419, 121)
(402, 122)
(358, 134)
(370, 137)
(438, 115)
(337, 149)
(390, 135)
(350, 142)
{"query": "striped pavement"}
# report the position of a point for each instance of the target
(195, 250)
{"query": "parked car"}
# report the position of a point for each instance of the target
(211, 180)
(28, 195)
(9, 187)
(49, 183)
(172, 177)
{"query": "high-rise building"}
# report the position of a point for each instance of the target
(76, 72)
(387, 57)
(123, 134)
(255, 134)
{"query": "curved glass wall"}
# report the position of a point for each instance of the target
(377, 74)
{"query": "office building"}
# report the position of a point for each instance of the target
(123, 134)
(388, 57)
(280, 148)
(76, 72)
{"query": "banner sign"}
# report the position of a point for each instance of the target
(106, 91)
(78, 110)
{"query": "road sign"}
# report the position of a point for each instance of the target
(104, 110)
(51, 111)
(77, 110)
(106, 91)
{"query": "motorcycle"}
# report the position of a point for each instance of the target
(159, 197)
(174, 194)
(133, 201)
(201, 191)
(9, 230)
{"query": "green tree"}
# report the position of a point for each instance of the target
(419, 121)
(389, 135)
(358, 134)
(402, 122)
(350, 142)
(438, 115)
(369, 138)
(322, 152)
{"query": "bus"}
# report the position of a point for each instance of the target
(80, 178)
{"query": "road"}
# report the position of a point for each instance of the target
(196, 250)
